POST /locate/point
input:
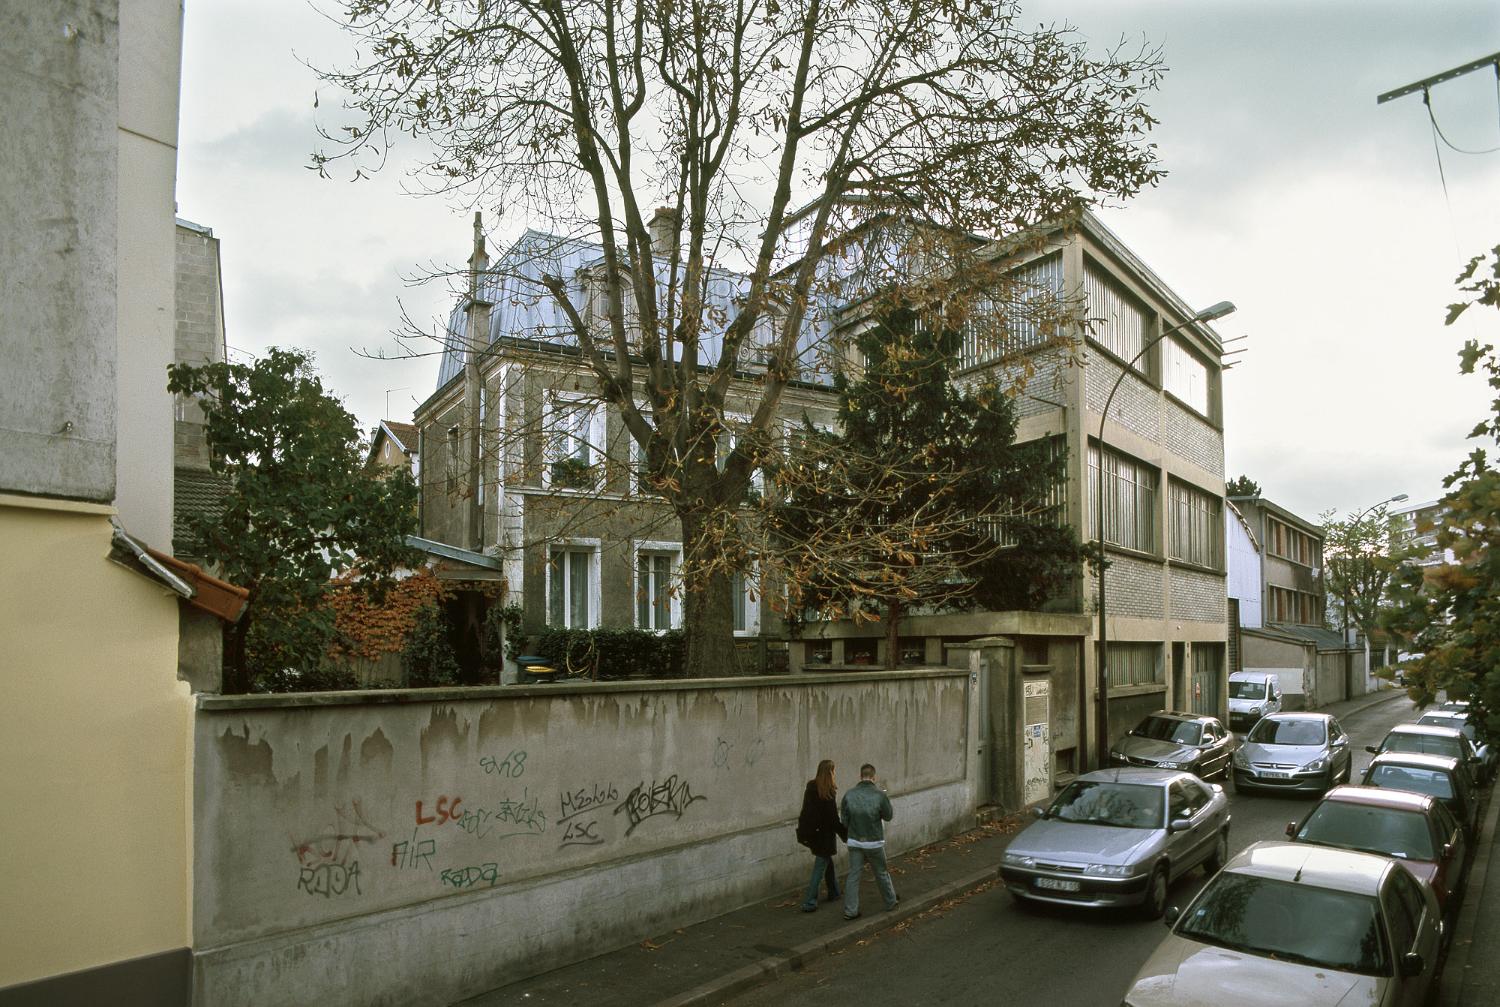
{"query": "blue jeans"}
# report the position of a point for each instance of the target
(857, 858)
(820, 866)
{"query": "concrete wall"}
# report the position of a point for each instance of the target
(95, 738)
(419, 847)
(150, 67)
(58, 167)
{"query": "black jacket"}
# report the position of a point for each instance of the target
(819, 822)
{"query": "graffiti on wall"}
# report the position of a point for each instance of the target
(671, 796)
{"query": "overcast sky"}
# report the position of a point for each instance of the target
(1289, 191)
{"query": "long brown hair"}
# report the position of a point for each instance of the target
(824, 780)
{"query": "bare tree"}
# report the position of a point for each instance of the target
(808, 154)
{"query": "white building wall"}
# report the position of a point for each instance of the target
(1244, 569)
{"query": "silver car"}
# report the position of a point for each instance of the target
(1294, 751)
(1119, 837)
(1199, 744)
(1293, 923)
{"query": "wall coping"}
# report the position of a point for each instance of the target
(208, 703)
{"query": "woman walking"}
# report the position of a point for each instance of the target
(817, 826)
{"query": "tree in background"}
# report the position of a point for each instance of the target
(1361, 554)
(923, 500)
(1449, 614)
(808, 155)
(302, 510)
(1242, 486)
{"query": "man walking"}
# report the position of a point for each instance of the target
(864, 808)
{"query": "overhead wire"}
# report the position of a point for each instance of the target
(1438, 130)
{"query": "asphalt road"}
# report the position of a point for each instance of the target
(987, 948)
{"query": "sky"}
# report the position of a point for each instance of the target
(1322, 215)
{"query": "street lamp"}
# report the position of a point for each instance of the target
(1218, 310)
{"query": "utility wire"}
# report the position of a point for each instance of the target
(1438, 130)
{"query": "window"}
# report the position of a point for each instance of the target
(1289, 543)
(574, 431)
(451, 461)
(1051, 510)
(1026, 319)
(1299, 607)
(746, 603)
(1197, 527)
(657, 605)
(1135, 664)
(1129, 501)
(573, 586)
(1184, 375)
(1119, 322)
(728, 439)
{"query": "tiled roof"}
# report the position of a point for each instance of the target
(404, 433)
(195, 492)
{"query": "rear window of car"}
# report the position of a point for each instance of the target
(1289, 922)
(1287, 732)
(1390, 832)
(1423, 744)
(1424, 781)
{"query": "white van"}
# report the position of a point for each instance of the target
(1252, 695)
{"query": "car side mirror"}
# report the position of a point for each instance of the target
(1039, 812)
(1291, 830)
(1448, 850)
(1340, 742)
(1179, 825)
(1412, 964)
(1171, 915)
(1372, 749)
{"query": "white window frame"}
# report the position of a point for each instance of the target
(1185, 376)
(556, 403)
(750, 595)
(571, 545)
(674, 589)
(638, 455)
(729, 437)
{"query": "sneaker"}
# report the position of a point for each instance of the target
(893, 905)
(810, 909)
(855, 916)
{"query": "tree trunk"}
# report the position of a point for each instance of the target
(708, 608)
(892, 635)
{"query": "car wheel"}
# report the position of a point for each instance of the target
(1156, 894)
(1220, 856)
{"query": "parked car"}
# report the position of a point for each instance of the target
(1461, 721)
(1432, 740)
(1457, 706)
(1198, 744)
(1438, 775)
(1416, 829)
(1293, 923)
(1252, 695)
(1119, 837)
(1294, 751)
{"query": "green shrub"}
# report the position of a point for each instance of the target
(621, 653)
(428, 658)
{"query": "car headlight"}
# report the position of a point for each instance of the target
(1169, 765)
(1314, 766)
(1255, 710)
(1108, 870)
(1018, 860)
(1241, 759)
(1117, 755)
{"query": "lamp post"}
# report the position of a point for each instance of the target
(1208, 314)
(1349, 654)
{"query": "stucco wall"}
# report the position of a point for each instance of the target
(96, 740)
(492, 834)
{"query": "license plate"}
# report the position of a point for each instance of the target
(1057, 885)
(1275, 776)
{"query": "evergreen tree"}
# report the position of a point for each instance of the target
(924, 499)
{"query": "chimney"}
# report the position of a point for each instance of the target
(663, 228)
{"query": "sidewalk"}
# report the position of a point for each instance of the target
(708, 962)
(1471, 978)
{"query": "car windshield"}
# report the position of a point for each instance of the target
(1247, 690)
(1125, 805)
(1289, 922)
(1388, 831)
(1181, 732)
(1423, 744)
(1287, 732)
(1424, 781)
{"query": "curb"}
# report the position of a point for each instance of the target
(793, 959)
(1451, 982)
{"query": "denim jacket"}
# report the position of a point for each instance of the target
(864, 808)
